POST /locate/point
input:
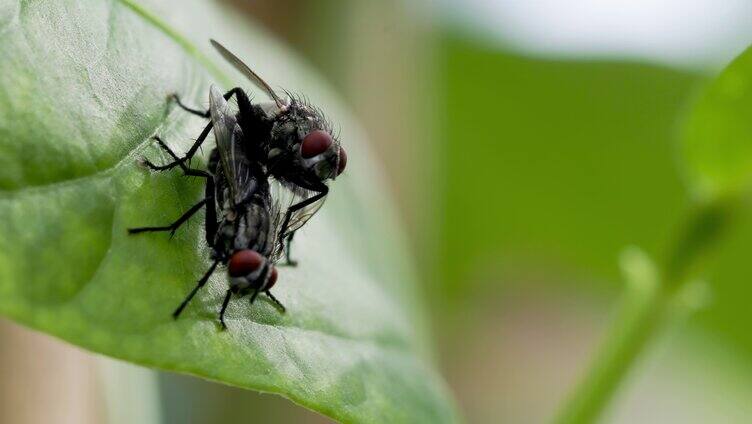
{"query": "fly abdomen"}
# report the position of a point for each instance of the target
(254, 230)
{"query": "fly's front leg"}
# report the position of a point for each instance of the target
(276, 302)
(195, 290)
(226, 302)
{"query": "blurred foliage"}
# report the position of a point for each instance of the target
(717, 143)
(554, 166)
(569, 159)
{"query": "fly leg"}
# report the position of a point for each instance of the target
(288, 249)
(224, 308)
(279, 304)
(323, 191)
(189, 213)
(193, 292)
(186, 171)
(203, 114)
(175, 225)
(242, 98)
(254, 295)
(179, 161)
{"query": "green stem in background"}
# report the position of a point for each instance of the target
(649, 301)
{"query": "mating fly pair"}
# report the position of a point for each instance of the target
(248, 228)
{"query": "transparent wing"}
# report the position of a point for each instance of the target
(286, 197)
(278, 209)
(301, 216)
(229, 138)
(244, 182)
(246, 70)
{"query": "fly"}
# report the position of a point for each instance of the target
(291, 140)
(242, 220)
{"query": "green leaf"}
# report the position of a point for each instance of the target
(83, 86)
(718, 137)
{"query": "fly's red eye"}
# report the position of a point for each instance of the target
(244, 262)
(272, 278)
(342, 161)
(315, 143)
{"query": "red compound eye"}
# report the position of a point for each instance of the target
(315, 143)
(244, 262)
(272, 278)
(342, 161)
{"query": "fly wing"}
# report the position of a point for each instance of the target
(285, 198)
(245, 184)
(229, 139)
(246, 70)
(277, 210)
(302, 215)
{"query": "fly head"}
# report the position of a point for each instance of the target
(303, 148)
(250, 271)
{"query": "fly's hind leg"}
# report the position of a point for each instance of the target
(208, 200)
(176, 98)
(175, 225)
(202, 113)
(176, 160)
(199, 141)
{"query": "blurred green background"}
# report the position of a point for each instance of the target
(526, 146)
